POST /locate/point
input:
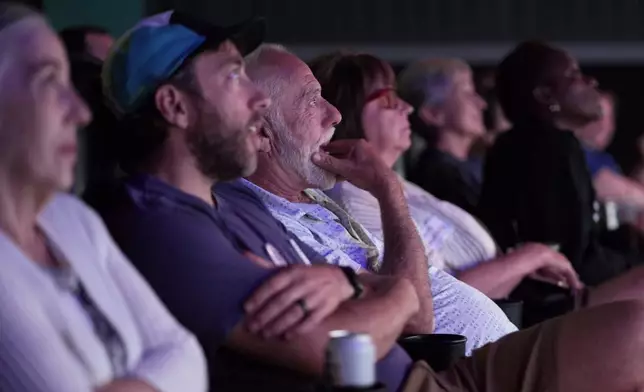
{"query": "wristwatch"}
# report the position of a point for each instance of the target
(352, 277)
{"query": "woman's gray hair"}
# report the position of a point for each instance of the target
(14, 18)
(427, 82)
(12, 13)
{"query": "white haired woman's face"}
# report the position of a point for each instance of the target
(462, 110)
(40, 111)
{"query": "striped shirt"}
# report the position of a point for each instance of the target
(458, 308)
(48, 339)
(460, 240)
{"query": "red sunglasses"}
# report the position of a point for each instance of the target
(387, 97)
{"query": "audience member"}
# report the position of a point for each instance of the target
(363, 89)
(610, 183)
(74, 314)
(183, 82)
(297, 127)
(537, 186)
(448, 114)
(90, 42)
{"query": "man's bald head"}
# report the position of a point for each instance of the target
(270, 66)
(299, 121)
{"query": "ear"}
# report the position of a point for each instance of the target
(173, 106)
(264, 137)
(432, 115)
(543, 95)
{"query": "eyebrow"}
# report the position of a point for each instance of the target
(232, 61)
(42, 65)
(309, 88)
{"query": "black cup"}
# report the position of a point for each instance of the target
(513, 309)
(440, 351)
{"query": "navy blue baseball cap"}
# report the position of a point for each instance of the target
(153, 50)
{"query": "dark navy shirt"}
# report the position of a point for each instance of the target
(447, 178)
(191, 254)
(597, 160)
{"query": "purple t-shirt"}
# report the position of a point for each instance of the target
(191, 255)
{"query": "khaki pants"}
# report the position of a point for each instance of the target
(524, 361)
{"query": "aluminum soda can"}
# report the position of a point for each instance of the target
(350, 360)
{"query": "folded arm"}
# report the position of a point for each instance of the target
(33, 356)
(381, 312)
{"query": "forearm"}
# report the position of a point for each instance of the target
(496, 278)
(619, 189)
(382, 313)
(405, 254)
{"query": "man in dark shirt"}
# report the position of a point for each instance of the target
(257, 323)
(537, 186)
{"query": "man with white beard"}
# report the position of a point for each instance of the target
(291, 174)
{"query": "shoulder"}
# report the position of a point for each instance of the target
(66, 212)
(236, 190)
(63, 205)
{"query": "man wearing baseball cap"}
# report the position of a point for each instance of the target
(190, 117)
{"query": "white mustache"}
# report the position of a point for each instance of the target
(328, 136)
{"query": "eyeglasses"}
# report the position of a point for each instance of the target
(387, 97)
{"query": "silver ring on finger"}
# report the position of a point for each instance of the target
(302, 304)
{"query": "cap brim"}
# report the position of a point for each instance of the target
(248, 36)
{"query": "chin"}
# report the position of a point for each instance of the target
(322, 180)
(249, 169)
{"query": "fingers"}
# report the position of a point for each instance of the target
(287, 320)
(345, 146)
(270, 288)
(330, 163)
(279, 304)
(321, 306)
(568, 273)
(573, 279)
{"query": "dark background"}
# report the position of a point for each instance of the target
(609, 32)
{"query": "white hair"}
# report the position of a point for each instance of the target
(428, 82)
(266, 71)
(262, 69)
(15, 19)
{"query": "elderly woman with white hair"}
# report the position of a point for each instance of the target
(449, 119)
(74, 314)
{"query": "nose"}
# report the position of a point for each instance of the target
(591, 81)
(481, 102)
(81, 113)
(406, 108)
(333, 117)
(260, 101)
